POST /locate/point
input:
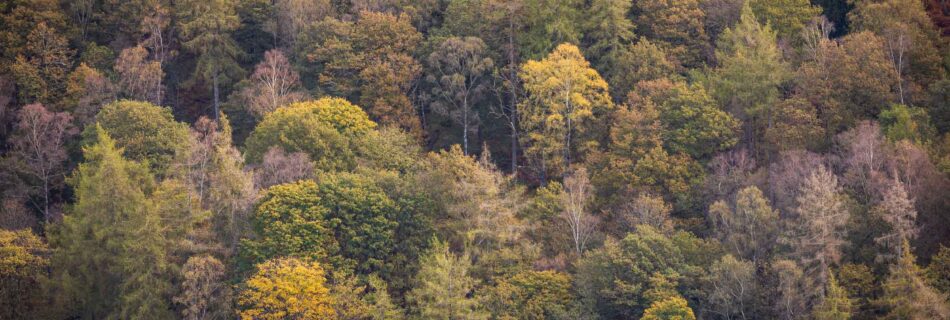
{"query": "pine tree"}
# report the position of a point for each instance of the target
(444, 287)
(110, 256)
(907, 296)
(206, 27)
(835, 305)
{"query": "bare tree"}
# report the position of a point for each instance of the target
(577, 193)
(140, 78)
(863, 153)
(649, 210)
(38, 155)
(273, 84)
(280, 167)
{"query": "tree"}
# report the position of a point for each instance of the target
(609, 35)
(145, 132)
(279, 167)
(795, 126)
(901, 122)
(203, 293)
(792, 295)
(906, 296)
(368, 61)
(38, 158)
(733, 288)
(86, 92)
(290, 222)
(847, 80)
(546, 25)
(531, 295)
(649, 210)
(749, 227)
(676, 25)
(643, 61)
(616, 278)
(749, 74)
(290, 17)
(273, 84)
(911, 42)
(692, 122)
(835, 305)
(140, 78)
(566, 101)
(41, 69)
(459, 68)
(443, 286)
(673, 308)
(326, 130)
(286, 288)
(206, 28)
(938, 269)
(897, 210)
(24, 259)
(575, 199)
(815, 233)
(787, 17)
(110, 257)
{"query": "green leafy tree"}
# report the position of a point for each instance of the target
(145, 132)
(643, 61)
(42, 68)
(368, 61)
(692, 123)
(325, 130)
(531, 295)
(443, 286)
(206, 28)
(459, 71)
(110, 252)
(566, 101)
(617, 277)
(901, 122)
(546, 24)
(911, 42)
(750, 72)
(290, 222)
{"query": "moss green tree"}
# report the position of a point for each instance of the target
(110, 258)
(750, 72)
(444, 287)
(676, 25)
(325, 130)
(907, 296)
(145, 132)
(835, 305)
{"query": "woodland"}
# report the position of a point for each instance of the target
(475, 159)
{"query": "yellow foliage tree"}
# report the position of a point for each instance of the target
(286, 289)
(566, 98)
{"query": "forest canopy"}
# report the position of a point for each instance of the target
(474, 159)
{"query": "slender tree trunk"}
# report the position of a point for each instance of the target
(214, 84)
